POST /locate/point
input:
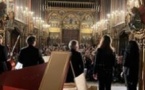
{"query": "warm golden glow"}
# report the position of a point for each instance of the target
(113, 18)
(25, 15)
(133, 3)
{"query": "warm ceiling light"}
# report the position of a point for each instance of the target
(17, 7)
(26, 8)
(21, 7)
(108, 15)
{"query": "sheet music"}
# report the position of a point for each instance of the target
(81, 82)
(19, 65)
(46, 58)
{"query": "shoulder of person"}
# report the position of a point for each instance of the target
(23, 48)
(98, 49)
(113, 50)
(1, 46)
(36, 49)
(77, 52)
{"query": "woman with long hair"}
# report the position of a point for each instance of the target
(131, 65)
(104, 63)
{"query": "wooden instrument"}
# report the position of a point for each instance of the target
(11, 62)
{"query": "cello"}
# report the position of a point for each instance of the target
(11, 63)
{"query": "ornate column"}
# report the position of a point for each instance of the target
(140, 38)
(143, 87)
(142, 57)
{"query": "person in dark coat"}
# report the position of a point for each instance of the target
(131, 65)
(76, 60)
(30, 55)
(3, 57)
(104, 63)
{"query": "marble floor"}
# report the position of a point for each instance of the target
(114, 86)
(118, 88)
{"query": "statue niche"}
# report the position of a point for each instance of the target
(70, 22)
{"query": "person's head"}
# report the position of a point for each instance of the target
(31, 40)
(106, 42)
(1, 39)
(73, 44)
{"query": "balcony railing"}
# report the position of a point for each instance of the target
(68, 4)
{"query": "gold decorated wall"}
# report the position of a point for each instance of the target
(70, 23)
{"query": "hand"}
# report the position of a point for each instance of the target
(95, 76)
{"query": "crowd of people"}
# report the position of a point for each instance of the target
(99, 62)
(88, 54)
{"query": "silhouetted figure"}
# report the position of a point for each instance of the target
(30, 55)
(131, 65)
(104, 63)
(3, 57)
(76, 60)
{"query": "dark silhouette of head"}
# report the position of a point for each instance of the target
(73, 44)
(31, 40)
(106, 42)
